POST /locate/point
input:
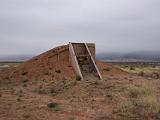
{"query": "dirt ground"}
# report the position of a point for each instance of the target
(36, 91)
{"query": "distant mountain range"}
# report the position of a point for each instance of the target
(132, 56)
(15, 57)
(115, 56)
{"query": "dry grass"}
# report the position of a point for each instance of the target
(78, 78)
(107, 69)
(141, 103)
(124, 108)
(151, 104)
(139, 68)
(135, 91)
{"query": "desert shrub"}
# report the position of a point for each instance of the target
(153, 66)
(18, 99)
(155, 75)
(148, 75)
(58, 71)
(142, 104)
(25, 80)
(53, 92)
(132, 68)
(24, 73)
(110, 96)
(96, 82)
(53, 105)
(124, 108)
(151, 104)
(107, 69)
(40, 90)
(136, 92)
(126, 66)
(78, 78)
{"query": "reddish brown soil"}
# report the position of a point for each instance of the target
(25, 91)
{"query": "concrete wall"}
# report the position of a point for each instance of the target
(59, 54)
(73, 60)
(92, 49)
(80, 49)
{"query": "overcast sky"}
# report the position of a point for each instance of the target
(34, 26)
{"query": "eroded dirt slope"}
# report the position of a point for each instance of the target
(26, 92)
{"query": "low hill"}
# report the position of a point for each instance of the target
(136, 56)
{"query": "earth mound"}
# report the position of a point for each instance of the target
(46, 85)
(47, 66)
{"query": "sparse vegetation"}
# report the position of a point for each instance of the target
(25, 80)
(53, 92)
(41, 91)
(132, 68)
(110, 96)
(151, 104)
(155, 75)
(58, 71)
(142, 99)
(96, 82)
(26, 116)
(124, 109)
(18, 99)
(107, 69)
(124, 97)
(135, 92)
(71, 118)
(24, 73)
(53, 105)
(78, 78)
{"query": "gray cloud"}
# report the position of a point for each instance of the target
(34, 26)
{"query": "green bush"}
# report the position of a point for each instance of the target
(132, 68)
(78, 78)
(107, 69)
(53, 105)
